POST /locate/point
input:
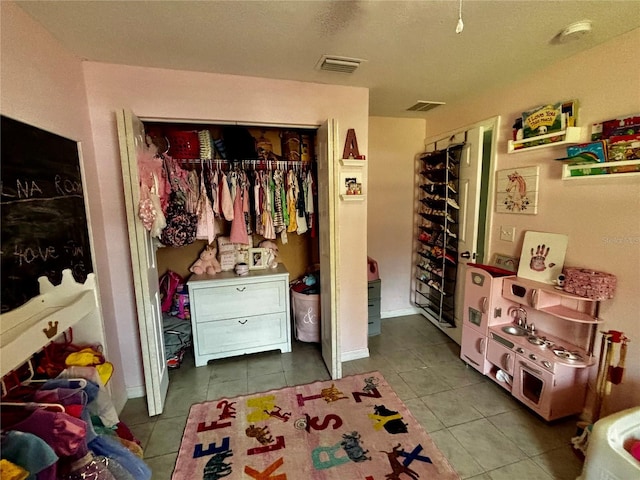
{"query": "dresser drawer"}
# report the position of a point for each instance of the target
(232, 301)
(373, 308)
(374, 289)
(237, 334)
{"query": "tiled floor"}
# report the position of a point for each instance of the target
(478, 426)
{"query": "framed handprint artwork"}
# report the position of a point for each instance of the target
(542, 256)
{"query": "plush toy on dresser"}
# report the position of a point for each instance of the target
(271, 252)
(207, 262)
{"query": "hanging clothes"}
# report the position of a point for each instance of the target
(246, 202)
(258, 202)
(291, 201)
(215, 197)
(267, 219)
(278, 218)
(310, 193)
(238, 225)
(301, 218)
(206, 223)
(226, 203)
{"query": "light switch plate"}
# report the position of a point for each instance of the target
(507, 233)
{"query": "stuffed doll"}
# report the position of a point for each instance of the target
(271, 252)
(207, 263)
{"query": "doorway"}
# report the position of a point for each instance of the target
(474, 191)
(145, 266)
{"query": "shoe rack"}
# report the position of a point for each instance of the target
(437, 245)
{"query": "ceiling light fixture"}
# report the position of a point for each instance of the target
(574, 31)
(460, 25)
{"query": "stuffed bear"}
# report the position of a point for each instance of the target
(207, 263)
(271, 253)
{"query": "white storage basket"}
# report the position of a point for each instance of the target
(606, 457)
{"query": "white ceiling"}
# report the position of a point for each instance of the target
(411, 49)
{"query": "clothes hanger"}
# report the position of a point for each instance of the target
(33, 405)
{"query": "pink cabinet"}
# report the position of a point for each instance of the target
(484, 304)
(473, 350)
(503, 358)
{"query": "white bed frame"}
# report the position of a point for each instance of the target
(27, 329)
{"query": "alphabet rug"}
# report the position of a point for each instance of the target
(355, 428)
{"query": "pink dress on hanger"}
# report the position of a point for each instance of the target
(238, 225)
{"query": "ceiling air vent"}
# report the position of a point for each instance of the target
(338, 64)
(424, 106)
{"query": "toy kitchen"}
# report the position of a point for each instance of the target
(534, 334)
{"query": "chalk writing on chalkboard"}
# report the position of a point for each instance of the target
(44, 222)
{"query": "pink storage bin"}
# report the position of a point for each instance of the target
(372, 270)
(306, 316)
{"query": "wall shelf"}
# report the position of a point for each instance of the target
(352, 198)
(352, 162)
(569, 136)
(585, 168)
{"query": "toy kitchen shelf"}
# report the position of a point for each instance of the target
(585, 168)
(570, 135)
(548, 299)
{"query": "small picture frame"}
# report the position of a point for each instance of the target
(351, 184)
(257, 258)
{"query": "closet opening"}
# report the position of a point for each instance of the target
(274, 169)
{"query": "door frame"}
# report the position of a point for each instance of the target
(489, 124)
(157, 390)
(156, 372)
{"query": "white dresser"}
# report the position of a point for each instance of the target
(232, 315)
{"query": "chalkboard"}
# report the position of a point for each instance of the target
(44, 222)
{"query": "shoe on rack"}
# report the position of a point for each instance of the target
(451, 234)
(450, 218)
(453, 203)
(452, 187)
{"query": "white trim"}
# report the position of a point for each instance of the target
(136, 392)
(354, 355)
(400, 313)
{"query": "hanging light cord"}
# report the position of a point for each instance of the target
(460, 25)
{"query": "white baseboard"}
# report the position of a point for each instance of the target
(354, 355)
(136, 392)
(399, 313)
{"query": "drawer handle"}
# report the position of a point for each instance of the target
(242, 322)
(241, 289)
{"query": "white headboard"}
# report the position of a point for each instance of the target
(28, 328)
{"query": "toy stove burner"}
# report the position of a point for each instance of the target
(541, 341)
(567, 355)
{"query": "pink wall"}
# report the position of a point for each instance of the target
(169, 94)
(43, 85)
(599, 215)
(393, 145)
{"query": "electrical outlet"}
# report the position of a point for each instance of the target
(508, 234)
